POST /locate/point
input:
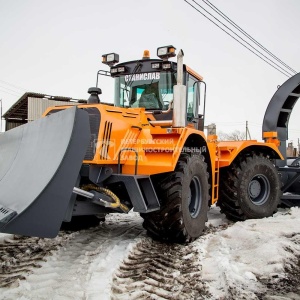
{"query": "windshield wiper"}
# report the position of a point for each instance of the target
(130, 81)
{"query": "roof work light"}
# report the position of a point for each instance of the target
(117, 70)
(166, 52)
(110, 58)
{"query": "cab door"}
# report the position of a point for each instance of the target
(195, 102)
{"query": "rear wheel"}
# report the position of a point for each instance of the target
(184, 196)
(249, 189)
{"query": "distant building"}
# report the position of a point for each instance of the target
(31, 107)
(211, 129)
(291, 151)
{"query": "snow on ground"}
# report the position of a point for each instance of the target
(83, 267)
(255, 259)
(250, 259)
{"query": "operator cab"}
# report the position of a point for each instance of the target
(149, 83)
(151, 89)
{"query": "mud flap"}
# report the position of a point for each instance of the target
(39, 166)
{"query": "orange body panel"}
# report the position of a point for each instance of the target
(194, 73)
(228, 150)
(156, 149)
(127, 135)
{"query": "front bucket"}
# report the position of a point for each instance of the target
(39, 166)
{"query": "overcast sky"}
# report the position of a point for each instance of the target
(55, 47)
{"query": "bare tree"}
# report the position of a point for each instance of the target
(236, 135)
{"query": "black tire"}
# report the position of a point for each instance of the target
(184, 197)
(249, 189)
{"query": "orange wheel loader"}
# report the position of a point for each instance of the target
(146, 152)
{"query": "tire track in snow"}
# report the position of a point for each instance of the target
(20, 255)
(155, 270)
(82, 267)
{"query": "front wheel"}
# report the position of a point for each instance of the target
(249, 189)
(184, 197)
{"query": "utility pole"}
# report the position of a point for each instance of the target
(247, 131)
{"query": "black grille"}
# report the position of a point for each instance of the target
(106, 140)
(94, 117)
(6, 215)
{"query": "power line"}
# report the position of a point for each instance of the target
(243, 41)
(6, 88)
(3, 91)
(13, 89)
(284, 72)
(213, 7)
(229, 123)
(294, 130)
(13, 85)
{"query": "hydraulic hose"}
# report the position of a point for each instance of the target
(116, 204)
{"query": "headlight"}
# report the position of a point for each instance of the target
(155, 65)
(166, 52)
(113, 70)
(166, 66)
(121, 69)
(110, 58)
(117, 70)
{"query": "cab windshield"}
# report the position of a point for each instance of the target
(153, 91)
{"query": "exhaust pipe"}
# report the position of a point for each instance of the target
(179, 105)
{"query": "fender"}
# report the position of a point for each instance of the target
(229, 150)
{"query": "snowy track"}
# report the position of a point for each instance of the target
(80, 268)
(255, 259)
(20, 255)
(154, 270)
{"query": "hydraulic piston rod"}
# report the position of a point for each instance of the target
(83, 193)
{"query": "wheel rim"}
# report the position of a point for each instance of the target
(194, 197)
(259, 189)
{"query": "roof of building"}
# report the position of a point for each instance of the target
(20, 108)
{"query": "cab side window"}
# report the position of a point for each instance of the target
(192, 98)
